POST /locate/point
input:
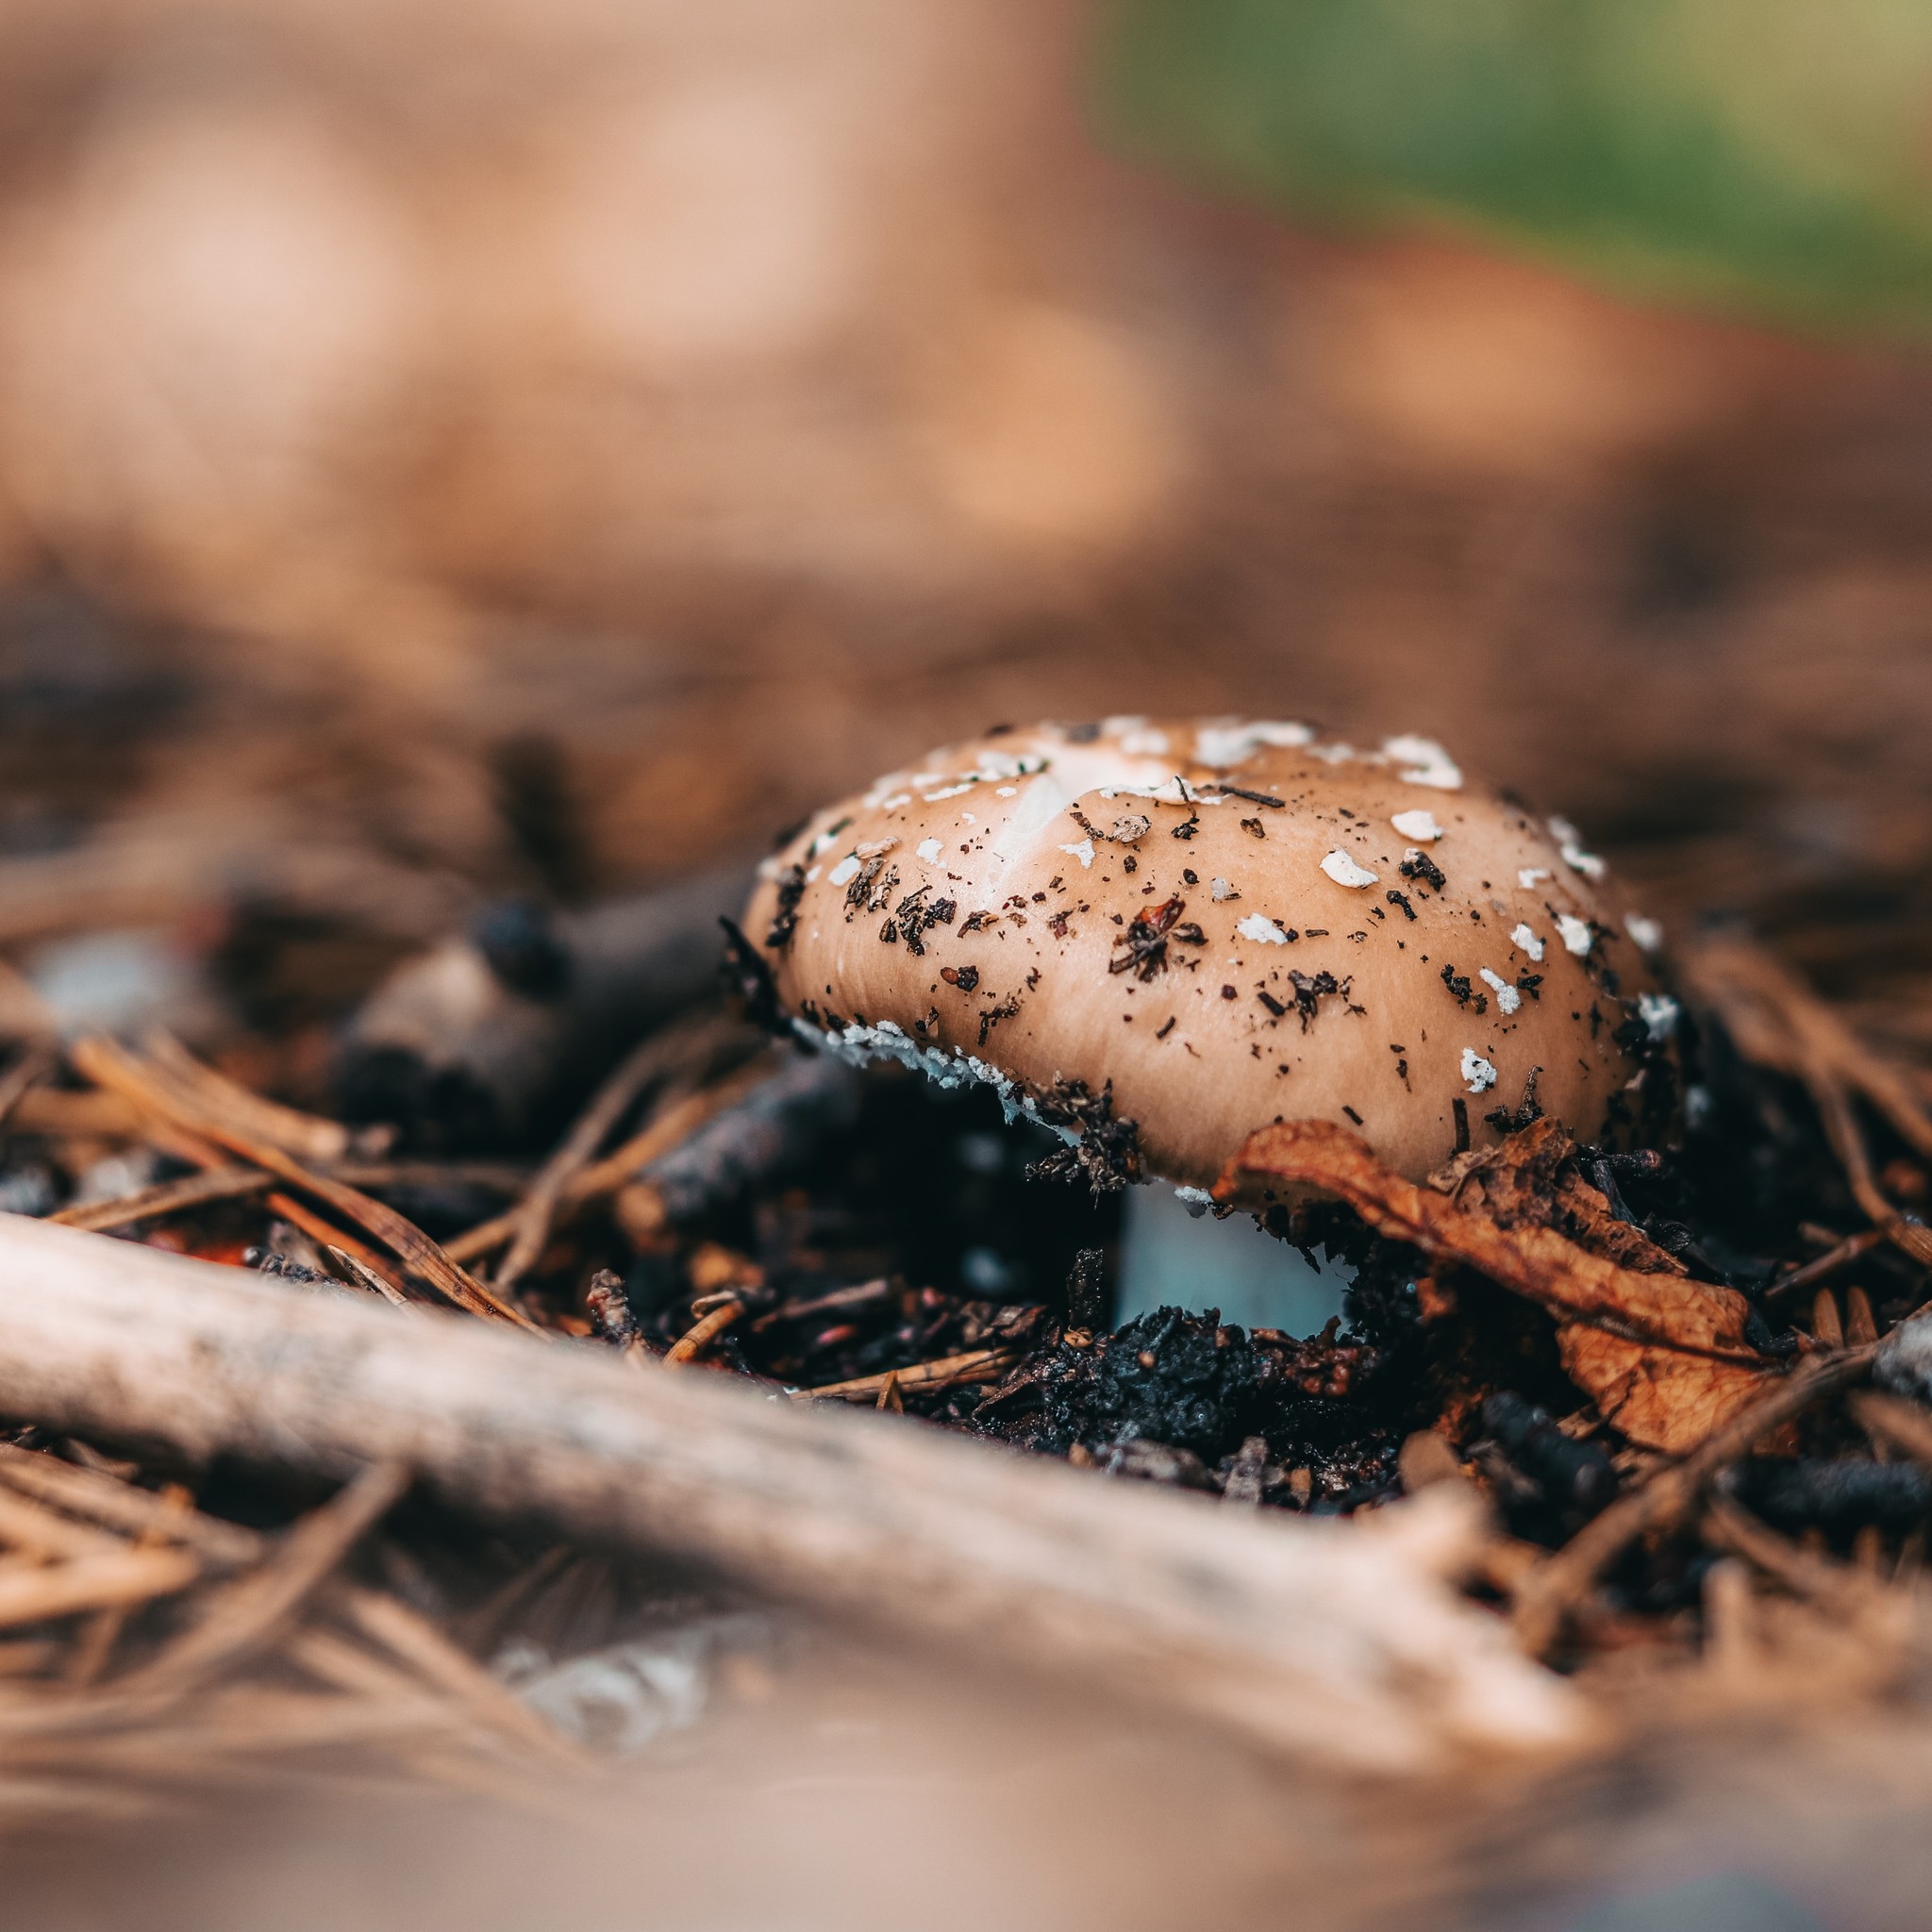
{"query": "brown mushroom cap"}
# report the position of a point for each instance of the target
(1159, 936)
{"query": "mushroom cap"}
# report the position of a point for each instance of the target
(1159, 936)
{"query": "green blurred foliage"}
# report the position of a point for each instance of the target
(1766, 157)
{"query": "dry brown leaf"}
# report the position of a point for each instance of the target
(1525, 1181)
(1663, 1356)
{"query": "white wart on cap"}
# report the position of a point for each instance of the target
(1159, 936)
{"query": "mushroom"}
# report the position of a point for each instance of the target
(1159, 936)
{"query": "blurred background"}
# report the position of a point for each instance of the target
(449, 452)
(447, 449)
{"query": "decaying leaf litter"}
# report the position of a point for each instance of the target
(1652, 1367)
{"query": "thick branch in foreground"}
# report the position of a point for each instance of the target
(1341, 1640)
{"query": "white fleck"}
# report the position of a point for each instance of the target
(1697, 1105)
(966, 818)
(1476, 1072)
(845, 871)
(1527, 940)
(1228, 741)
(1530, 877)
(1122, 722)
(1083, 852)
(1007, 792)
(767, 869)
(1332, 754)
(928, 849)
(1004, 768)
(1570, 842)
(890, 782)
(1577, 937)
(812, 871)
(1659, 1011)
(1262, 930)
(1648, 934)
(1345, 871)
(1195, 1200)
(1041, 803)
(1420, 823)
(1183, 793)
(949, 790)
(1220, 888)
(1144, 743)
(893, 803)
(919, 778)
(1508, 998)
(1423, 762)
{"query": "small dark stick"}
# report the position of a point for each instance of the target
(1087, 1292)
(774, 1128)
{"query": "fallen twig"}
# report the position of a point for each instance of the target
(1728, 1526)
(1332, 1637)
(1826, 1264)
(464, 1036)
(771, 1127)
(976, 1365)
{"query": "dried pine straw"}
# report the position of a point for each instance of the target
(217, 1656)
(148, 1642)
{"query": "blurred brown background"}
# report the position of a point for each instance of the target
(686, 411)
(450, 449)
